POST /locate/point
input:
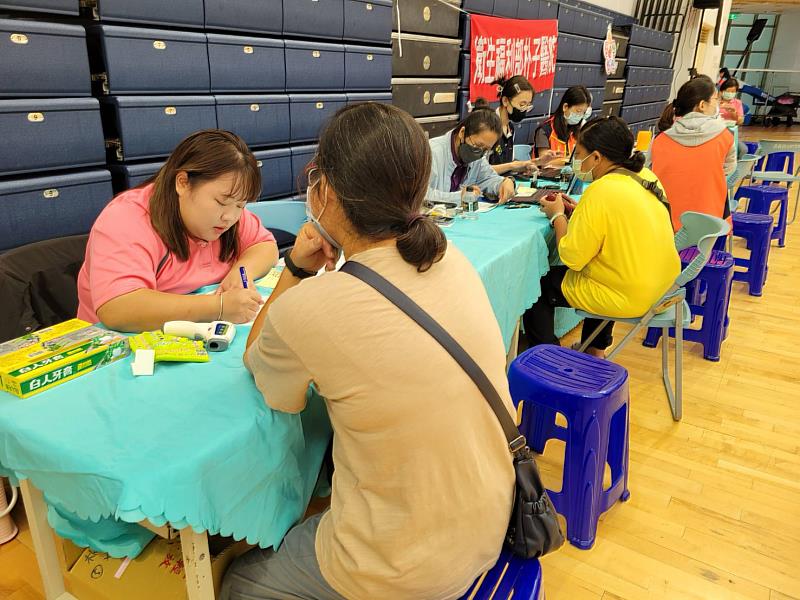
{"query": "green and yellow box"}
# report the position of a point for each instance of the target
(43, 359)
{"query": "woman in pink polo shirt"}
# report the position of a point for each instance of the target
(185, 228)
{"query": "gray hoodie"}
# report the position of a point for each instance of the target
(695, 129)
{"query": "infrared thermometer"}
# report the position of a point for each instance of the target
(217, 335)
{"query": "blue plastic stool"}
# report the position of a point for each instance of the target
(708, 297)
(593, 396)
(757, 230)
(511, 577)
(760, 202)
(751, 147)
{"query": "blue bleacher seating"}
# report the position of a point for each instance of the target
(367, 68)
(151, 126)
(246, 64)
(42, 208)
(59, 7)
(647, 57)
(310, 112)
(39, 59)
(649, 38)
(368, 21)
(314, 18)
(173, 13)
(301, 156)
(314, 67)
(258, 119)
(262, 17)
(50, 134)
(127, 176)
(149, 61)
(385, 98)
(276, 172)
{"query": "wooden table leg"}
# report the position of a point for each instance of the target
(44, 543)
(512, 351)
(197, 562)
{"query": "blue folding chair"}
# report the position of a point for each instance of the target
(284, 215)
(672, 310)
(522, 151)
(283, 218)
(778, 165)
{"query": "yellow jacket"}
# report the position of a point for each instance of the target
(619, 248)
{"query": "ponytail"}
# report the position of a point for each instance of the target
(667, 117)
(635, 163)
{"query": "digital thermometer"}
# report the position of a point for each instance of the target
(217, 335)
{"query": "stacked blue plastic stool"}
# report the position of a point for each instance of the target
(760, 200)
(708, 297)
(757, 231)
(593, 396)
(511, 577)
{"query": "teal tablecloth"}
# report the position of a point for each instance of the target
(195, 445)
(511, 249)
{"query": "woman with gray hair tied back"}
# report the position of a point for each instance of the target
(423, 480)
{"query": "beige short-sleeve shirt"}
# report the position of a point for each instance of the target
(423, 485)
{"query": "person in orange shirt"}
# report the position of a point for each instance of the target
(696, 154)
(558, 132)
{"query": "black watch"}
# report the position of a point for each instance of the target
(294, 269)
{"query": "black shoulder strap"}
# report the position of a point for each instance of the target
(650, 186)
(516, 441)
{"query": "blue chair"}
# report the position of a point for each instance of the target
(760, 199)
(672, 310)
(744, 170)
(593, 396)
(511, 578)
(778, 165)
(283, 218)
(285, 215)
(522, 151)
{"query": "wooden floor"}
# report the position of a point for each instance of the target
(715, 499)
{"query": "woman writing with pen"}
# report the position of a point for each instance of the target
(182, 230)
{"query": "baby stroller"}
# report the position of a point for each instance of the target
(783, 106)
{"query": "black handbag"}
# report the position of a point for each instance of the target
(533, 530)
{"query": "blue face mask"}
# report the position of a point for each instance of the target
(315, 221)
(574, 118)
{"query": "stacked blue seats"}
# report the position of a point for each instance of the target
(648, 76)
(54, 182)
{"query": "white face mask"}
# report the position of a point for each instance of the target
(315, 220)
(577, 165)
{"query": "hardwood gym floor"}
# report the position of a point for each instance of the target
(714, 511)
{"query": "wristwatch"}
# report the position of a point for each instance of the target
(555, 216)
(294, 269)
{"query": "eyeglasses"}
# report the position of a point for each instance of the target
(480, 148)
(525, 108)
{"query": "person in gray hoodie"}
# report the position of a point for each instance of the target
(696, 153)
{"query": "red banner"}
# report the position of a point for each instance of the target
(507, 47)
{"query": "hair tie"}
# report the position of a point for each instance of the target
(413, 219)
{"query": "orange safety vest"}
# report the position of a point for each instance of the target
(693, 176)
(556, 144)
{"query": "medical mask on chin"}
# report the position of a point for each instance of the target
(728, 95)
(315, 221)
(577, 165)
(574, 118)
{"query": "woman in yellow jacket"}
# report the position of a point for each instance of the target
(617, 248)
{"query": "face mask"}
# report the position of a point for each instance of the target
(577, 164)
(315, 221)
(515, 115)
(728, 95)
(469, 154)
(574, 118)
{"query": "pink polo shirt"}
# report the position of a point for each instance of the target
(124, 252)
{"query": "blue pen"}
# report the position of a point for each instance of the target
(243, 273)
